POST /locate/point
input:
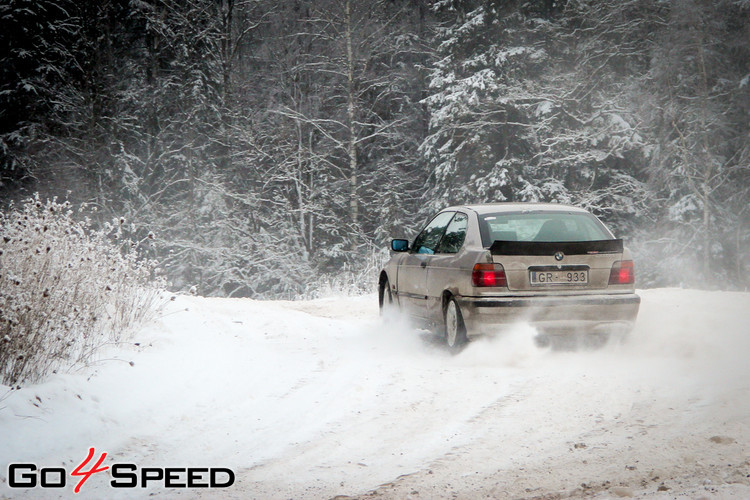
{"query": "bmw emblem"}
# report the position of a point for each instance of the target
(559, 256)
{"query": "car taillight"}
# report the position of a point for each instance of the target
(488, 275)
(622, 273)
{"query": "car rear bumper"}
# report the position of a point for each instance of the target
(551, 314)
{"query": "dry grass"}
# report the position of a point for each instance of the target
(65, 289)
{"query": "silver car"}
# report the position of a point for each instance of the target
(476, 268)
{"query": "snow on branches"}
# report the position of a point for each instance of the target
(66, 288)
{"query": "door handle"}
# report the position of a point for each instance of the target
(423, 264)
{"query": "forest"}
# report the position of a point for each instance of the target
(270, 148)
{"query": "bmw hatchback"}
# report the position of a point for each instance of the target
(475, 269)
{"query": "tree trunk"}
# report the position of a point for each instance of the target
(708, 167)
(352, 149)
(227, 11)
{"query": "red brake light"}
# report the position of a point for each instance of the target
(488, 275)
(622, 273)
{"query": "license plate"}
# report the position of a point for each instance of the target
(561, 277)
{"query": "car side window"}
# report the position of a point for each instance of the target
(455, 234)
(428, 239)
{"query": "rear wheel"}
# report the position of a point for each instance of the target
(455, 329)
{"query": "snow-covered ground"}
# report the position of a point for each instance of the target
(317, 399)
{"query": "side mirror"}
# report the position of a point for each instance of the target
(400, 245)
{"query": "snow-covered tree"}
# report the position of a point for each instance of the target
(695, 96)
(525, 109)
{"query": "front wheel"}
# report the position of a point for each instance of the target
(455, 329)
(387, 307)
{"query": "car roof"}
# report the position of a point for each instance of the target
(487, 208)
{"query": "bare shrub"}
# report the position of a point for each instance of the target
(65, 288)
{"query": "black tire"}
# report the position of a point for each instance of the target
(387, 307)
(455, 328)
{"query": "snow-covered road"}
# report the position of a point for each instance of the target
(317, 399)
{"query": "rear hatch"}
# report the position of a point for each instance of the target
(569, 266)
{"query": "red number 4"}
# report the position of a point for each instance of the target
(85, 474)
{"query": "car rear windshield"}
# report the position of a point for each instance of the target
(541, 226)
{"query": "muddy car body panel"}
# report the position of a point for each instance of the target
(555, 266)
